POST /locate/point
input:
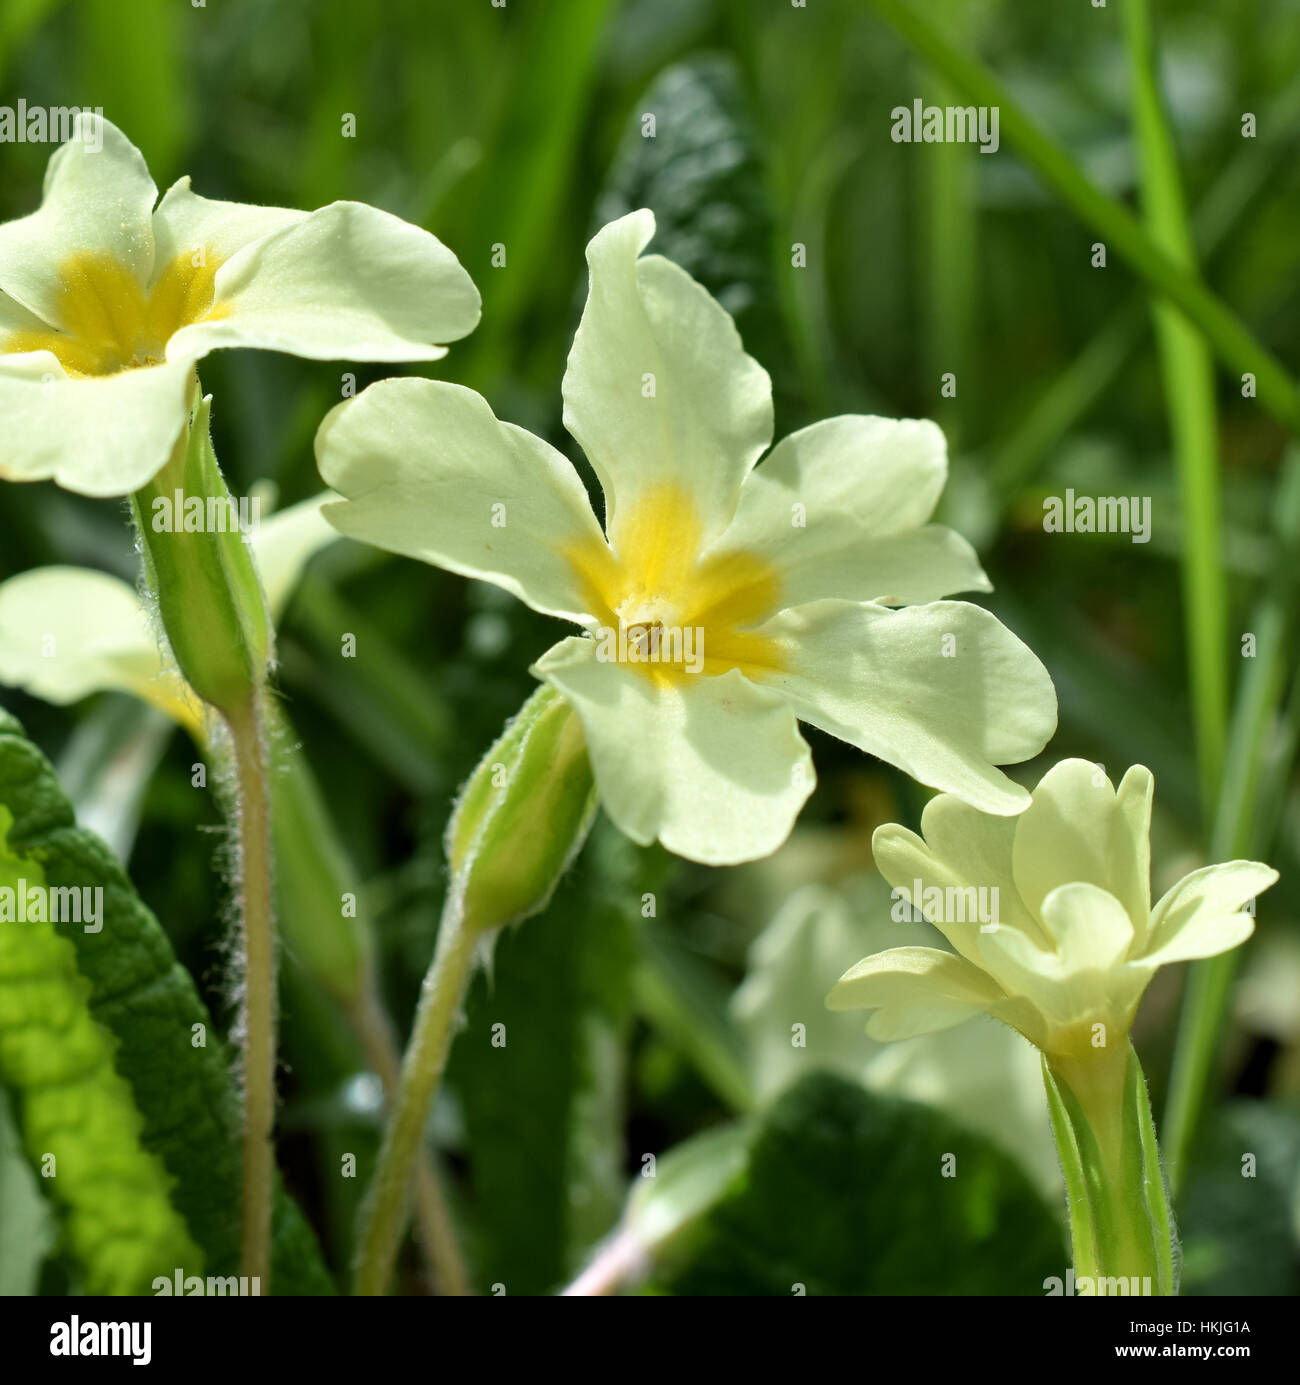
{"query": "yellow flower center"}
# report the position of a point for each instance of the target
(680, 612)
(110, 323)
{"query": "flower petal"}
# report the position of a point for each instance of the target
(285, 542)
(347, 282)
(914, 990)
(185, 223)
(67, 632)
(428, 471)
(98, 435)
(961, 850)
(1089, 928)
(943, 691)
(95, 202)
(1202, 915)
(1078, 829)
(648, 325)
(712, 767)
(838, 509)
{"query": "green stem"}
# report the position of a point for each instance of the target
(1120, 1222)
(1232, 340)
(422, 1068)
(1188, 373)
(257, 928)
(433, 1219)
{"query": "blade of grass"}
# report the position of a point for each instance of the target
(1220, 212)
(1233, 342)
(1240, 828)
(1188, 374)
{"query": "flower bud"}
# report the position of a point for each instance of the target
(523, 815)
(202, 574)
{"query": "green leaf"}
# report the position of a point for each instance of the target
(1236, 1212)
(845, 1193)
(702, 177)
(140, 993)
(78, 1121)
(544, 1110)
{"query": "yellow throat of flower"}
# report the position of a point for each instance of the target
(110, 323)
(677, 611)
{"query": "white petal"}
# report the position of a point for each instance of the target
(839, 509)
(428, 471)
(961, 849)
(1089, 928)
(943, 691)
(347, 282)
(1078, 829)
(1202, 915)
(712, 767)
(98, 435)
(914, 990)
(649, 326)
(185, 224)
(95, 202)
(285, 542)
(67, 632)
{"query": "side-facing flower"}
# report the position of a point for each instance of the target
(68, 632)
(1073, 941)
(107, 301)
(721, 604)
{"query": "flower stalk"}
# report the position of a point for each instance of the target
(1120, 1223)
(212, 608)
(520, 820)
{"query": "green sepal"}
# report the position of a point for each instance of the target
(1121, 1225)
(209, 596)
(522, 816)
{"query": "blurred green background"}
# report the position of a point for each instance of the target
(521, 126)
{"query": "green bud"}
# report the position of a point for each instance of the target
(523, 815)
(204, 580)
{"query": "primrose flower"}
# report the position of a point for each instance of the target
(1073, 940)
(68, 632)
(721, 604)
(107, 301)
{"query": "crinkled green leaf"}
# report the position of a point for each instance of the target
(141, 994)
(79, 1123)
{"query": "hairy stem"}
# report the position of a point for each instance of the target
(433, 1218)
(422, 1068)
(257, 1021)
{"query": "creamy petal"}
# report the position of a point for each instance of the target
(68, 632)
(1078, 829)
(347, 282)
(426, 468)
(1089, 928)
(648, 324)
(1202, 915)
(882, 681)
(960, 849)
(839, 509)
(712, 767)
(185, 224)
(914, 990)
(98, 435)
(95, 202)
(285, 542)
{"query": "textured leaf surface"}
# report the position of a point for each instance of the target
(845, 1193)
(147, 1000)
(78, 1120)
